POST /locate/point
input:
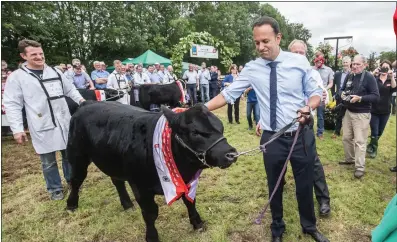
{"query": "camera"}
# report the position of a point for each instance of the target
(345, 95)
(383, 70)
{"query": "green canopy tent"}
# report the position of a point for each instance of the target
(110, 69)
(150, 58)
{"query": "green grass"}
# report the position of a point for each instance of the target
(228, 200)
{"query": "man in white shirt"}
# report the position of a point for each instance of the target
(118, 81)
(169, 76)
(204, 77)
(320, 184)
(140, 78)
(42, 90)
(192, 83)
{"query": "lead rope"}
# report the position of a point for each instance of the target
(258, 220)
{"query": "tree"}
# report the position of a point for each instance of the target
(226, 53)
(372, 61)
(387, 55)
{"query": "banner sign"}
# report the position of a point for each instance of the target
(203, 51)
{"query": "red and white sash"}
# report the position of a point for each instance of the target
(170, 178)
(100, 95)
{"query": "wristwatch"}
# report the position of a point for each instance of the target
(359, 100)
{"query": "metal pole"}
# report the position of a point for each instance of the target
(336, 55)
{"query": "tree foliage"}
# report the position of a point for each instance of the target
(117, 30)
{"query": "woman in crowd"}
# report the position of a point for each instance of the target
(380, 111)
(233, 70)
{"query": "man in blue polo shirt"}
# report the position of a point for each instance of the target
(99, 77)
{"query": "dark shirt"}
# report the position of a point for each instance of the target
(38, 73)
(383, 106)
(214, 78)
(251, 97)
(368, 91)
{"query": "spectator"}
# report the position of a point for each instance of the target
(117, 81)
(103, 66)
(327, 75)
(99, 76)
(63, 67)
(252, 107)
(380, 111)
(169, 76)
(81, 80)
(156, 67)
(214, 88)
(240, 68)
(46, 108)
(204, 77)
(229, 79)
(340, 77)
(358, 93)
(320, 184)
(192, 83)
(154, 76)
(393, 98)
(83, 68)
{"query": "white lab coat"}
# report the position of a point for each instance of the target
(169, 78)
(114, 84)
(22, 89)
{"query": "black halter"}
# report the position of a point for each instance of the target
(200, 155)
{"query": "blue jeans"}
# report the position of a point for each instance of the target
(320, 119)
(192, 91)
(51, 173)
(378, 123)
(254, 106)
(205, 92)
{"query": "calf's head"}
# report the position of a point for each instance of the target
(200, 132)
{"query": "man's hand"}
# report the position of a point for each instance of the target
(21, 137)
(92, 88)
(258, 129)
(302, 117)
(81, 101)
(355, 98)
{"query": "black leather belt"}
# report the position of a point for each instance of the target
(285, 134)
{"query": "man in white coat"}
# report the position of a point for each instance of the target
(42, 90)
(118, 81)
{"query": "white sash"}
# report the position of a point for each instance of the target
(166, 179)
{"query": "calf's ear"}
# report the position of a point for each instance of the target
(168, 113)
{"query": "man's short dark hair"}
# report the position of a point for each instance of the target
(267, 20)
(23, 44)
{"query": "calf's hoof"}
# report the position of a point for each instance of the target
(128, 206)
(199, 227)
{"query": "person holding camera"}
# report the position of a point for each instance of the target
(380, 111)
(358, 93)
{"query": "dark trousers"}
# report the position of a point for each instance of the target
(236, 111)
(192, 91)
(302, 162)
(378, 123)
(393, 103)
(320, 184)
(214, 90)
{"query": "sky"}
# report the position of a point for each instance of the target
(370, 23)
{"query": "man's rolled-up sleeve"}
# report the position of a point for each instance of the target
(236, 89)
(310, 86)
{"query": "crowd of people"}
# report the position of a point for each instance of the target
(271, 84)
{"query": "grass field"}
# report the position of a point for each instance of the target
(228, 200)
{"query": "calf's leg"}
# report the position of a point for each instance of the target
(150, 211)
(125, 199)
(194, 216)
(79, 173)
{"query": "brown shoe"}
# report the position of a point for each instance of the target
(320, 137)
(358, 174)
(334, 136)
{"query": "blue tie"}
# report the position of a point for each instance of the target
(273, 94)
